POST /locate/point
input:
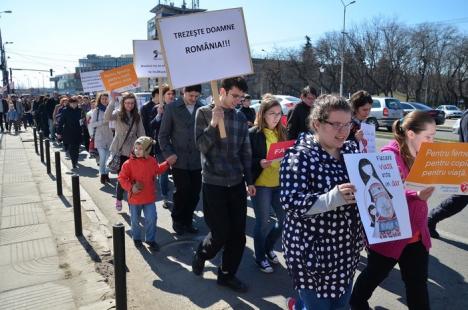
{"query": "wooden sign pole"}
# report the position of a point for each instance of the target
(160, 89)
(215, 92)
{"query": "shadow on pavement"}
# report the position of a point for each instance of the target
(66, 203)
(460, 245)
(443, 285)
(89, 249)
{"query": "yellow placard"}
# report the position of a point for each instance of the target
(441, 164)
(119, 77)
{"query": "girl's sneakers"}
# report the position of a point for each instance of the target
(265, 266)
(272, 257)
(118, 205)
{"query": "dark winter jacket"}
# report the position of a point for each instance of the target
(298, 120)
(69, 125)
(147, 113)
(177, 135)
(249, 114)
(259, 150)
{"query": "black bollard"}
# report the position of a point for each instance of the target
(35, 140)
(41, 146)
(58, 173)
(77, 204)
(118, 232)
(47, 155)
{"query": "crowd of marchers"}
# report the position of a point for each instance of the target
(305, 207)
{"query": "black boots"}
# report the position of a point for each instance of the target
(104, 178)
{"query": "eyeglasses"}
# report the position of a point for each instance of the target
(273, 114)
(236, 96)
(339, 126)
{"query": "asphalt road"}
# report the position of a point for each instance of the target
(444, 132)
(164, 280)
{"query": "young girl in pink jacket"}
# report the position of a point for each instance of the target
(412, 254)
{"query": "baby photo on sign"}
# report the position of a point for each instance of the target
(378, 201)
(380, 196)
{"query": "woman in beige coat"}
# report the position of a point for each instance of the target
(126, 118)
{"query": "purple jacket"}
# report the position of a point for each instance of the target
(417, 212)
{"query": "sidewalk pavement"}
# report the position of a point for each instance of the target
(42, 264)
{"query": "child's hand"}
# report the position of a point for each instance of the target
(171, 160)
(426, 193)
(137, 187)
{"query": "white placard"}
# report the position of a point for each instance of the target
(205, 47)
(148, 59)
(91, 81)
(380, 196)
(367, 144)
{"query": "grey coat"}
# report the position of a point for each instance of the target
(177, 135)
(121, 129)
(100, 128)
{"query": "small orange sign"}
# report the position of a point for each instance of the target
(120, 77)
(441, 164)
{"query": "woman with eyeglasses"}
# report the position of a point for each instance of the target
(267, 130)
(322, 234)
(128, 128)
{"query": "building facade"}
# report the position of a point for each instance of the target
(94, 62)
(162, 10)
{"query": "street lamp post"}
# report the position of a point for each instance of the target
(3, 64)
(343, 43)
(321, 70)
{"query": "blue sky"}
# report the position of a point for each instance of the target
(55, 33)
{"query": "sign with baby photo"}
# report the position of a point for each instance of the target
(367, 143)
(380, 196)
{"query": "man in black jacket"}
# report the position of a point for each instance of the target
(297, 117)
(148, 111)
(3, 112)
(248, 111)
(177, 136)
(50, 107)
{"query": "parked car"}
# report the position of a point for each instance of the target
(438, 115)
(255, 101)
(456, 127)
(385, 111)
(288, 101)
(284, 110)
(450, 111)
